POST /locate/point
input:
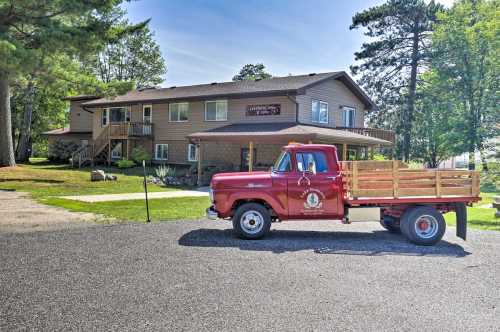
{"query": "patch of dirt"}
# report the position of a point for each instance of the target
(19, 213)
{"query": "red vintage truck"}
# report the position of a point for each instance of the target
(308, 182)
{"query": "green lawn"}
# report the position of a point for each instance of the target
(45, 182)
(42, 180)
(182, 208)
(479, 216)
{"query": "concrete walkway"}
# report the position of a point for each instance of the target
(125, 197)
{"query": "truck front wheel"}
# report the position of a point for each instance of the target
(251, 221)
(423, 225)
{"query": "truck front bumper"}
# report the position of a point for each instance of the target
(211, 213)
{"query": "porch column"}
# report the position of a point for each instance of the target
(128, 149)
(344, 152)
(250, 156)
(200, 154)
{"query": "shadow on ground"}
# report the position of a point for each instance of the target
(377, 243)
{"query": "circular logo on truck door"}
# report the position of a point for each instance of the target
(312, 201)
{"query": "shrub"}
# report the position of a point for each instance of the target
(61, 150)
(139, 154)
(125, 163)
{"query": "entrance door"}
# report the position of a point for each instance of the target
(313, 192)
(244, 158)
(146, 119)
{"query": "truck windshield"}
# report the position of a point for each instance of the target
(283, 163)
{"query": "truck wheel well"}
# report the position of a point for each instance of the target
(262, 202)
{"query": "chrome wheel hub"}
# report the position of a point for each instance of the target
(252, 222)
(426, 227)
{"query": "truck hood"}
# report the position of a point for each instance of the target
(243, 180)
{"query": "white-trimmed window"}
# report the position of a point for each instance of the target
(147, 113)
(319, 111)
(192, 152)
(216, 110)
(161, 151)
(348, 116)
(178, 112)
(104, 117)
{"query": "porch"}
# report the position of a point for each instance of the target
(352, 143)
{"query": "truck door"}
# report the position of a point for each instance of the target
(312, 189)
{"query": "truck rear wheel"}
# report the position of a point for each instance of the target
(423, 225)
(251, 221)
(391, 224)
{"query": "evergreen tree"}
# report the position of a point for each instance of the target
(390, 63)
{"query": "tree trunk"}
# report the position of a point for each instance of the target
(408, 118)
(484, 161)
(23, 148)
(6, 147)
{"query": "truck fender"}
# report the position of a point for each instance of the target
(275, 205)
(461, 215)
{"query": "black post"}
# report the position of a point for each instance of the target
(146, 190)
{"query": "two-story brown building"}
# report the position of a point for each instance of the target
(220, 123)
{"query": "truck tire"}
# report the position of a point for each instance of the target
(251, 221)
(391, 224)
(423, 225)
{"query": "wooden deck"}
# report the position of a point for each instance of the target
(394, 180)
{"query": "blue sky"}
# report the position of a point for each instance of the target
(210, 40)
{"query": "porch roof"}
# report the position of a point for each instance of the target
(283, 133)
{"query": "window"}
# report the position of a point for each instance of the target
(161, 151)
(314, 162)
(284, 163)
(192, 152)
(147, 116)
(348, 116)
(104, 117)
(319, 111)
(118, 114)
(117, 151)
(216, 110)
(178, 112)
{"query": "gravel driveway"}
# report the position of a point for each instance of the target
(194, 276)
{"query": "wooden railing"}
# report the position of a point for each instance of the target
(386, 135)
(82, 155)
(130, 129)
(391, 179)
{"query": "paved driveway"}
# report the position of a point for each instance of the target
(195, 276)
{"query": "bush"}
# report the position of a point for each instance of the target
(61, 150)
(139, 154)
(125, 163)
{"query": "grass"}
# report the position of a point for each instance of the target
(164, 209)
(479, 216)
(42, 180)
(47, 182)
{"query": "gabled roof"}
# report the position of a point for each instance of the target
(270, 86)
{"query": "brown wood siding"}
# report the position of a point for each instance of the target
(336, 94)
(166, 130)
(79, 120)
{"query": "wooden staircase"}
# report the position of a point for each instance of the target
(100, 149)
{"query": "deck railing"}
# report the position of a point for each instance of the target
(386, 135)
(130, 129)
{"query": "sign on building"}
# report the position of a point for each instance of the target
(258, 110)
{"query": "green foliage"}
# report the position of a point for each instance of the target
(378, 156)
(140, 154)
(164, 171)
(125, 163)
(61, 150)
(466, 46)
(490, 181)
(135, 57)
(252, 72)
(389, 63)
